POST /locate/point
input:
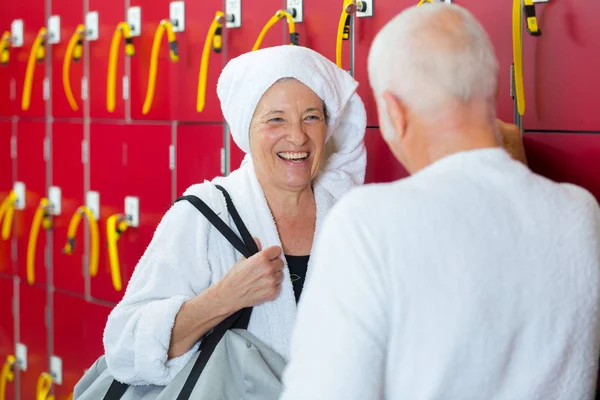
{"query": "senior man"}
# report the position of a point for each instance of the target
(472, 279)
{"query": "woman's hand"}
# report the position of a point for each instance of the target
(255, 280)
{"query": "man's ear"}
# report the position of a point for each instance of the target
(396, 114)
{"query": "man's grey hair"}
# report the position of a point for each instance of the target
(433, 57)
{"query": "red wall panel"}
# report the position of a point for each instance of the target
(382, 166)
(236, 155)
(6, 184)
(198, 154)
(33, 334)
(31, 170)
(32, 14)
(67, 174)
(561, 68)
(7, 103)
(71, 15)
(7, 334)
(110, 13)
(566, 157)
(119, 160)
(318, 31)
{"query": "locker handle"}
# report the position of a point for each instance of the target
(115, 226)
(5, 42)
(38, 51)
(164, 25)
(7, 374)
(40, 218)
(7, 210)
(94, 237)
(280, 14)
(343, 32)
(214, 39)
(74, 52)
(44, 385)
(425, 2)
(122, 30)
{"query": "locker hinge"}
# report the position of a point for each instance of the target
(47, 316)
(222, 161)
(172, 157)
(85, 156)
(13, 147)
(512, 81)
(46, 88)
(84, 88)
(125, 88)
(46, 149)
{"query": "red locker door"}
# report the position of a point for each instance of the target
(119, 157)
(67, 174)
(566, 157)
(198, 154)
(7, 327)
(109, 16)
(8, 83)
(31, 170)
(71, 15)
(6, 184)
(382, 166)
(34, 335)
(78, 329)
(561, 68)
(32, 14)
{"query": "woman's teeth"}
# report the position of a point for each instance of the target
(293, 156)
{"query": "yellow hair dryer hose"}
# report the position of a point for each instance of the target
(124, 30)
(343, 32)
(38, 51)
(424, 2)
(74, 51)
(44, 385)
(115, 226)
(5, 48)
(40, 218)
(94, 237)
(214, 39)
(6, 374)
(7, 210)
(274, 19)
(173, 54)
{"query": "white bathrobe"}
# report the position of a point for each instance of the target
(187, 255)
(474, 279)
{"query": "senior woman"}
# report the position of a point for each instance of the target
(301, 123)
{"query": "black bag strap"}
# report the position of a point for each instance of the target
(239, 320)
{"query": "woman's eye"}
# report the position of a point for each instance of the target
(276, 120)
(313, 118)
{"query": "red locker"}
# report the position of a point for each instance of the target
(71, 15)
(382, 166)
(6, 184)
(77, 344)
(164, 96)
(566, 157)
(236, 155)
(119, 157)
(8, 83)
(67, 174)
(198, 154)
(109, 16)
(488, 13)
(561, 68)
(32, 14)
(7, 327)
(31, 170)
(33, 334)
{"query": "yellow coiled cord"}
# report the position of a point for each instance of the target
(40, 218)
(274, 19)
(115, 226)
(74, 52)
(5, 42)
(94, 237)
(38, 51)
(214, 40)
(122, 30)
(7, 374)
(163, 26)
(7, 210)
(44, 385)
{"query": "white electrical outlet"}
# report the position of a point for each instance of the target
(132, 211)
(296, 8)
(16, 30)
(19, 189)
(92, 201)
(91, 26)
(177, 15)
(233, 12)
(134, 19)
(56, 370)
(364, 8)
(54, 198)
(21, 356)
(54, 29)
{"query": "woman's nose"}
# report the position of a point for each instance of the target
(296, 135)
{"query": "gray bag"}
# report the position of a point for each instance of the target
(241, 367)
(231, 364)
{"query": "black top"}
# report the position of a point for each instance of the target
(297, 266)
